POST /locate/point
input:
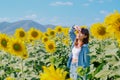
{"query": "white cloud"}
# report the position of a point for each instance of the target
(86, 4)
(61, 4)
(32, 16)
(48, 20)
(4, 19)
(104, 12)
(97, 19)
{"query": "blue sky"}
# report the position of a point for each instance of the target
(58, 12)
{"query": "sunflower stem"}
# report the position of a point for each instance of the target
(22, 69)
(114, 39)
(1, 61)
(52, 59)
(102, 51)
(9, 59)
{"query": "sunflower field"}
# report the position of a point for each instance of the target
(37, 55)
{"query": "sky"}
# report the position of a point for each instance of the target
(58, 12)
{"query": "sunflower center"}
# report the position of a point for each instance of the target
(118, 28)
(24, 55)
(22, 34)
(52, 33)
(45, 39)
(46, 34)
(50, 46)
(34, 34)
(118, 20)
(102, 31)
(59, 29)
(17, 47)
(4, 43)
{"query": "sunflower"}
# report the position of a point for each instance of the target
(34, 34)
(98, 30)
(50, 73)
(118, 41)
(10, 78)
(17, 47)
(117, 36)
(51, 33)
(24, 56)
(50, 46)
(45, 39)
(83, 26)
(58, 29)
(113, 22)
(45, 34)
(112, 18)
(66, 31)
(66, 41)
(20, 33)
(4, 39)
(48, 29)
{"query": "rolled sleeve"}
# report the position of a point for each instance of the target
(72, 34)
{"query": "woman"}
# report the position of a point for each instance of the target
(79, 50)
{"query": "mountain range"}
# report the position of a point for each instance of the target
(9, 28)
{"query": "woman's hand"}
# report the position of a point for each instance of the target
(77, 28)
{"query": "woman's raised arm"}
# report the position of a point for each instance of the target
(72, 34)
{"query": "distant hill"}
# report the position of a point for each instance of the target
(9, 28)
(50, 26)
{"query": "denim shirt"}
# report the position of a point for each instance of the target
(83, 58)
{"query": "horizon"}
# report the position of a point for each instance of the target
(58, 12)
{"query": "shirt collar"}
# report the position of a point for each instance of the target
(85, 45)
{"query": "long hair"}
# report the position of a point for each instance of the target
(85, 40)
(86, 33)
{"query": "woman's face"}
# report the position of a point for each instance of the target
(80, 36)
(77, 35)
